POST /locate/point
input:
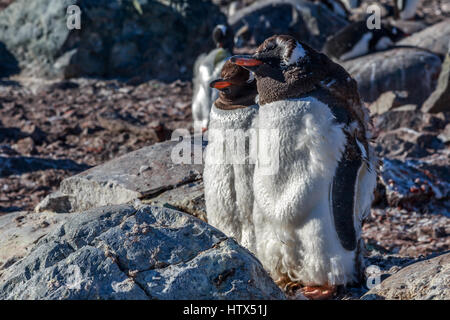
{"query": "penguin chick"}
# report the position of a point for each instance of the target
(206, 68)
(228, 171)
(357, 40)
(308, 214)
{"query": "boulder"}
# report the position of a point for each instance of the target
(424, 280)
(435, 38)
(439, 100)
(308, 22)
(117, 38)
(403, 69)
(409, 26)
(126, 252)
(147, 173)
(21, 230)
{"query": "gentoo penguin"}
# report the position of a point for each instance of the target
(228, 170)
(357, 40)
(206, 68)
(308, 214)
(405, 9)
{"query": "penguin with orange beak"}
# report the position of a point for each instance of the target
(228, 170)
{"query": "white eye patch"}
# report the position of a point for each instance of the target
(296, 54)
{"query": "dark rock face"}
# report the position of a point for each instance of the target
(306, 21)
(116, 38)
(396, 70)
(122, 252)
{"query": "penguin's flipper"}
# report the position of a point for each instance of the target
(344, 192)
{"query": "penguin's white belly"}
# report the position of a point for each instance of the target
(293, 219)
(228, 179)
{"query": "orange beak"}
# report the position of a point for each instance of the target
(246, 61)
(220, 84)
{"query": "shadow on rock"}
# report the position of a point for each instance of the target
(19, 165)
(8, 63)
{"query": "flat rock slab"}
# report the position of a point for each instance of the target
(145, 173)
(435, 38)
(126, 252)
(424, 280)
(189, 198)
(20, 231)
(396, 70)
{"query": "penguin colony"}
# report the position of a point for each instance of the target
(289, 168)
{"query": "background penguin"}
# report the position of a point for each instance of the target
(357, 40)
(309, 213)
(405, 9)
(228, 176)
(207, 67)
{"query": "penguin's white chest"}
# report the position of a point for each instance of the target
(293, 218)
(299, 147)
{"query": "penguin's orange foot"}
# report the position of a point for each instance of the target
(288, 286)
(319, 292)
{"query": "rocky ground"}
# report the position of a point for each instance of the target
(51, 130)
(86, 121)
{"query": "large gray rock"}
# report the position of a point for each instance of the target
(424, 280)
(116, 39)
(123, 252)
(435, 38)
(143, 174)
(308, 22)
(439, 101)
(21, 230)
(412, 70)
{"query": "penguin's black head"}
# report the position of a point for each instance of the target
(237, 87)
(274, 56)
(223, 37)
(284, 68)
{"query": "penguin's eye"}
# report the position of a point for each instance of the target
(269, 46)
